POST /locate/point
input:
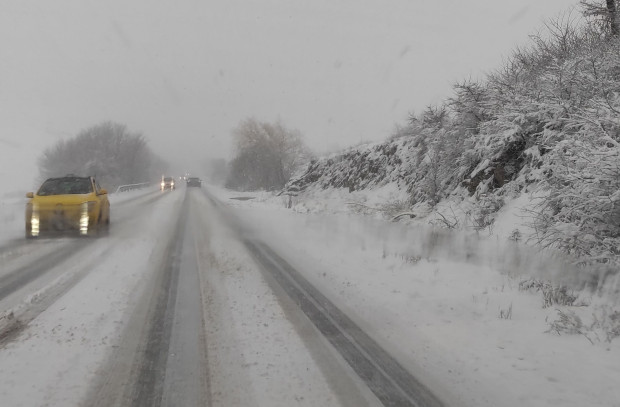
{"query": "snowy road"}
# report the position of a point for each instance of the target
(180, 305)
(198, 299)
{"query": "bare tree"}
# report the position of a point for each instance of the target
(267, 155)
(613, 17)
(107, 150)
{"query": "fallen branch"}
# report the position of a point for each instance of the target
(400, 215)
(449, 225)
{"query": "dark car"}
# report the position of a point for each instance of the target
(167, 183)
(194, 182)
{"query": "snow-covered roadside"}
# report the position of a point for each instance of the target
(463, 324)
(11, 217)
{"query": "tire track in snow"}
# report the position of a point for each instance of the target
(18, 318)
(23, 275)
(171, 367)
(186, 379)
(392, 384)
(10, 247)
(149, 384)
(149, 367)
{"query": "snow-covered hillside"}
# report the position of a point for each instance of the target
(530, 157)
(543, 131)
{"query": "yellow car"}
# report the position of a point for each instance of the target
(68, 204)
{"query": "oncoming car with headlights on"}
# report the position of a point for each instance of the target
(68, 204)
(167, 183)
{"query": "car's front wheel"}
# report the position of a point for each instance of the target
(103, 226)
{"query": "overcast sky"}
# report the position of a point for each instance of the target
(186, 72)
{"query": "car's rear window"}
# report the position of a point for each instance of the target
(65, 186)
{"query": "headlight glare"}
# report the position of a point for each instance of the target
(87, 208)
(34, 224)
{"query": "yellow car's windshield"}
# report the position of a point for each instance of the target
(64, 186)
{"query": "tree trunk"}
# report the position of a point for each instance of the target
(613, 17)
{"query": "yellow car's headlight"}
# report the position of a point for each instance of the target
(32, 219)
(89, 206)
(87, 209)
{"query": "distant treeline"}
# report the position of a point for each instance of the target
(107, 151)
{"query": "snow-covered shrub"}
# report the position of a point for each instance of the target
(515, 235)
(579, 149)
(485, 210)
(604, 324)
(506, 313)
(581, 214)
(394, 208)
(569, 322)
(557, 296)
(552, 295)
(607, 320)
